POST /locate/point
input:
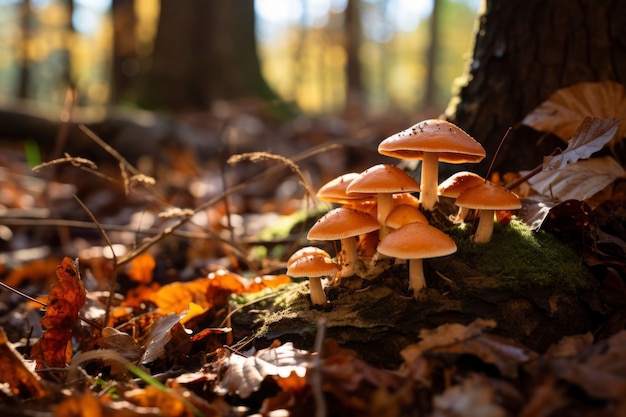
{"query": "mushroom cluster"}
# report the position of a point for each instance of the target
(380, 217)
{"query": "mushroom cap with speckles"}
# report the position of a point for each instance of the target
(459, 182)
(451, 143)
(403, 214)
(334, 190)
(313, 266)
(307, 251)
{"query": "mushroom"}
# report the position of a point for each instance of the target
(344, 224)
(487, 198)
(306, 251)
(334, 191)
(416, 242)
(403, 214)
(432, 141)
(455, 185)
(383, 180)
(314, 267)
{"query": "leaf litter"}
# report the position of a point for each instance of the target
(183, 347)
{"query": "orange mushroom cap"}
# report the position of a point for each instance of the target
(451, 143)
(340, 223)
(313, 266)
(417, 241)
(459, 182)
(488, 196)
(383, 178)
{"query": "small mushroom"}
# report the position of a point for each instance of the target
(334, 191)
(403, 214)
(416, 242)
(314, 267)
(344, 224)
(307, 251)
(432, 141)
(487, 197)
(455, 185)
(384, 180)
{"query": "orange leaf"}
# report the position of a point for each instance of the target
(141, 268)
(66, 299)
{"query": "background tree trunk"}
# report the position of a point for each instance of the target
(524, 51)
(432, 56)
(125, 62)
(205, 50)
(353, 36)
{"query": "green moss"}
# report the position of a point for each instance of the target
(519, 258)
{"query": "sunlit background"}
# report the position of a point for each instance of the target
(300, 44)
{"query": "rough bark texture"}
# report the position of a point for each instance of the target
(524, 51)
(125, 62)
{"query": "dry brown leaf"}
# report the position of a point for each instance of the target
(66, 299)
(563, 111)
(590, 136)
(506, 354)
(244, 375)
(21, 381)
(160, 333)
(600, 370)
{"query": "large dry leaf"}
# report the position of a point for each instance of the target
(454, 338)
(578, 181)
(563, 111)
(160, 333)
(599, 370)
(244, 374)
(590, 136)
(66, 299)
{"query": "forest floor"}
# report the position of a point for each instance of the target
(182, 231)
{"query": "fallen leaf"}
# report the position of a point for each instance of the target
(563, 111)
(160, 333)
(244, 375)
(506, 354)
(599, 369)
(578, 181)
(141, 268)
(590, 136)
(66, 299)
(21, 380)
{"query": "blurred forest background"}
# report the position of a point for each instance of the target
(321, 56)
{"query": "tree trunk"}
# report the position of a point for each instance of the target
(205, 50)
(24, 60)
(354, 80)
(524, 51)
(125, 63)
(430, 94)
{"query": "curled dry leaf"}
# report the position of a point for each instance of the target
(506, 354)
(66, 299)
(563, 111)
(244, 375)
(590, 136)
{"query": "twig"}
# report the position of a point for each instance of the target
(21, 294)
(532, 173)
(496, 153)
(316, 376)
(105, 236)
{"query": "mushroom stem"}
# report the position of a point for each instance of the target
(385, 205)
(461, 215)
(429, 180)
(349, 256)
(416, 275)
(484, 231)
(318, 296)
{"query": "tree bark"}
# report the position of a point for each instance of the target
(204, 51)
(354, 80)
(125, 62)
(430, 94)
(524, 51)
